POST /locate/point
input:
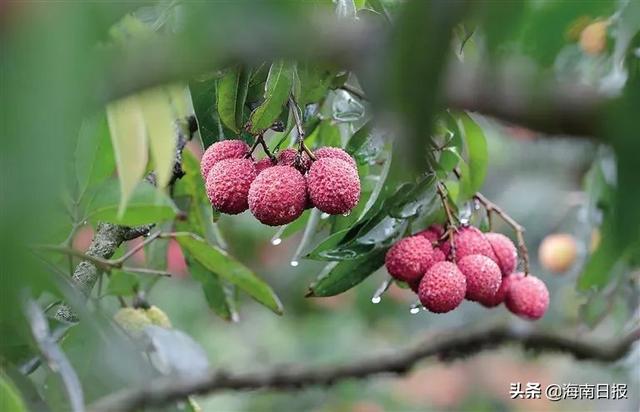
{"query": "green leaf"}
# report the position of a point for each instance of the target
(203, 94)
(161, 130)
(129, 138)
(122, 283)
(449, 158)
(231, 95)
(213, 289)
(338, 278)
(315, 80)
(147, 205)
(94, 161)
(277, 90)
(229, 269)
(478, 157)
(10, 400)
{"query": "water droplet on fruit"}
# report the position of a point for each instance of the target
(376, 299)
(276, 241)
(346, 214)
(294, 263)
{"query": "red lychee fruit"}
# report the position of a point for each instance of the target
(409, 258)
(226, 149)
(334, 186)
(500, 295)
(483, 277)
(335, 153)
(442, 288)
(278, 195)
(287, 157)
(527, 297)
(263, 163)
(228, 184)
(470, 241)
(505, 252)
(433, 233)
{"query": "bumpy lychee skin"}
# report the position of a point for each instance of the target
(433, 233)
(287, 157)
(263, 163)
(528, 297)
(483, 277)
(409, 258)
(226, 149)
(505, 252)
(228, 185)
(278, 195)
(334, 186)
(442, 288)
(501, 294)
(335, 153)
(470, 241)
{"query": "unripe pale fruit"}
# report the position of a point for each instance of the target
(287, 157)
(558, 252)
(442, 288)
(505, 252)
(470, 241)
(593, 39)
(334, 186)
(527, 297)
(335, 153)
(226, 149)
(263, 163)
(158, 317)
(132, 321)
(228, 185)
(409, 258)
(278, 195)
(483, 277)
(501, 294)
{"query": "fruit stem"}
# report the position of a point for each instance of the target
(491, 207)
(451, 228)
(296, 116)
(260, 141)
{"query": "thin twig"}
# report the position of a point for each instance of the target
(517, 227)
(147, 271)
(451, 228)
(449, 345)
(104, 264)
(120, 261)
(293, 105)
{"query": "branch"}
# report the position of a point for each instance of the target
(450, 223)
(448, 346)
(293, 105)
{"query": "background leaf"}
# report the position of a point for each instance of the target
(231, 94)
(94, 157)
(277, 90)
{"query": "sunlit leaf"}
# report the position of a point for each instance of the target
(277, 90)
(161, 130)
(129, 138)
(231, 94)
(147, 205)
(229, 269)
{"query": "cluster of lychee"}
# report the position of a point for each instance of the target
(277, 191)
(483, 271)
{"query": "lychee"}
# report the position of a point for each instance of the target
(228, 184)
(132, 321)
(483, 277)
(409, 258)
(442, 288)
(288, 157)
(558, 252)
(500, 295)
(527, 297)
(469, 241)
(226, 149)
(278, 195)
(334, 186)
(158, 317)
(264, 163)
(433, 233)
(335, 153)
(505, 252)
